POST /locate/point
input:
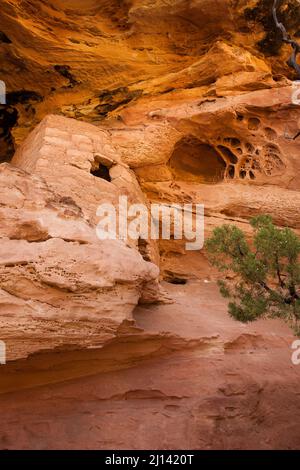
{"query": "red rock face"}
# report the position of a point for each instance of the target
(189, 378)
(174, 102)
(90, 61)
(60, 285)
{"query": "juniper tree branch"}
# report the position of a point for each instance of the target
(292, 62)
(280, 280)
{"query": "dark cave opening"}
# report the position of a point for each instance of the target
(175, 280)
(9, 115)
(101, 172)
(195, 161)
(4, 39)
(23, 97)
(8, 119)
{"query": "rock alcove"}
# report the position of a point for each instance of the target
(195, 161)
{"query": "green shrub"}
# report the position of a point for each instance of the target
(266, 281)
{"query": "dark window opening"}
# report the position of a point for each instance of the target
(226, 151)
(102, 172)
(177, 281)
(231, 171)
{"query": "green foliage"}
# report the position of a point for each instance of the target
(265, 273)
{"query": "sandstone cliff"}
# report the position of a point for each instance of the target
(114, 344)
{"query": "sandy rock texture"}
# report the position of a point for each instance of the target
(79, 161)
(250, 137)
(165, 101)
(60, 286)
(238, 155)
(209, 383)
(90, 60)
